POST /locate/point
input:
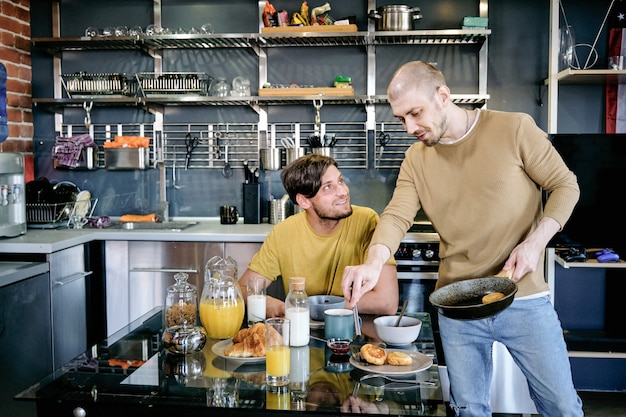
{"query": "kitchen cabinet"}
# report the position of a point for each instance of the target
(68, 299)
(355, 141)
(139, 272)
(68, 282)
(588, 297)
(25, 333)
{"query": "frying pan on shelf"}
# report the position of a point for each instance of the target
(463, 300)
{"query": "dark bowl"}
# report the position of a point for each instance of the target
(320, 303)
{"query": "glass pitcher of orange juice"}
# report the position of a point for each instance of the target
(221, 304)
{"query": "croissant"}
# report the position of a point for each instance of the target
(258, 328)
(252, 345)
(249, 342)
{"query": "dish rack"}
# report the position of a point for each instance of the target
(173, 83)
(53, 215)
(82, 85)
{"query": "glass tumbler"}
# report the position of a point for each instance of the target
(277, 353)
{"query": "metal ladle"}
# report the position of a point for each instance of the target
(226, 170)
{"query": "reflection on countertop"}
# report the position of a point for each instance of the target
(132, 374)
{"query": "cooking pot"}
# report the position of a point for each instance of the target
(463, 300)
(395, 17)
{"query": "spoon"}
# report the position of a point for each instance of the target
(402, 312)
(226, 169)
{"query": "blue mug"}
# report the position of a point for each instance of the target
(339, 324)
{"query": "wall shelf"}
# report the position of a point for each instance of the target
(592, 76)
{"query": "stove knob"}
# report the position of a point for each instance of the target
(416, 253)
(429, 254)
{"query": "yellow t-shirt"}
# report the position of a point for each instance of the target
(294, 249)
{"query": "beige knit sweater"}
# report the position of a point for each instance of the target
(483, 195)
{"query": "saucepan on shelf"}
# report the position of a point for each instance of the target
(476, 298)
(397, 17)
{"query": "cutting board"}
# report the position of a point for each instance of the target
(306, 91)
(316, 28)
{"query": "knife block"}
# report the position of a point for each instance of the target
(252, 203)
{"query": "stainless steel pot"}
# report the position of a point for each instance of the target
(395, 17)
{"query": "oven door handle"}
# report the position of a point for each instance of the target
(410, 275)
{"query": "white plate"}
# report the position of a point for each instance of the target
(221, 346)
(82, 204)
(420, 363)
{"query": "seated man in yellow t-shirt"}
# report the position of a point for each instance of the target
(321, 241)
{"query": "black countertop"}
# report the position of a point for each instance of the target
(157, 383)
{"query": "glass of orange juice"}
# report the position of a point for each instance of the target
(277, 352)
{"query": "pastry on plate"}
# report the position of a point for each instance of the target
(399, 358)
(373, 354)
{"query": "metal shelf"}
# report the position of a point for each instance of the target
(432, 37)
(56, 105)
(250, 40)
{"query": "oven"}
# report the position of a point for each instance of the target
(417, 261)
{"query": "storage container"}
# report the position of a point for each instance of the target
(126, 158)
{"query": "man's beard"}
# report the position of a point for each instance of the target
(328, 215)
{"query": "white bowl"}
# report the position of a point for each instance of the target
(320, 303)
(404, 334)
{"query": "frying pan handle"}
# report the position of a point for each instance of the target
(505, 274)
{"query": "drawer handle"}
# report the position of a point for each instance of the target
(70, 279)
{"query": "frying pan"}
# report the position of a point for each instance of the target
(462, 300)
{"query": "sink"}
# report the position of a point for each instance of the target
(174, 226)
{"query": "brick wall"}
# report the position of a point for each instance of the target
(15, 56)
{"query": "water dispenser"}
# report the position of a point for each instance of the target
(12, 196)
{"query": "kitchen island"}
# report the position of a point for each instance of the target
(129, 374)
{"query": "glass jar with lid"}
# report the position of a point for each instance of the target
(180, 334)
(181, 305)
(220, 88)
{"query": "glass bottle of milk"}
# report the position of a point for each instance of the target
(297, 311)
